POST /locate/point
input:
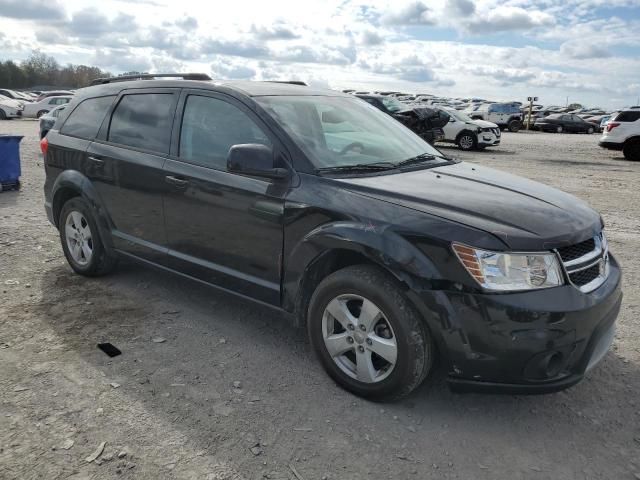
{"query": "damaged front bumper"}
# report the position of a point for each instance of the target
(526, 342)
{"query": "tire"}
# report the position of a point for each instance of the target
(559, 129)
(590, 130)
(514, 126)
(631, 150)
(397, 323)
(40, 113)
(3, 115)
(95, 260)
(467, 141)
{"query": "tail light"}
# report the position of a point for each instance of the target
(44, 145)
(612, 125)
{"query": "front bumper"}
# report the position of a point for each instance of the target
(13, 113)
(531, 342)
(489, 139)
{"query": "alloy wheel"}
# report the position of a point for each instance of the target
(359, 338)
(79, 238)
(466, 142)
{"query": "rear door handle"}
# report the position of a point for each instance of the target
(178, 182)
(96, 160)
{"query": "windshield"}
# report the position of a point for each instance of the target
(393, 104)
(341, 131)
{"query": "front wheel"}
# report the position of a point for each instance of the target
(3, 116)
(590, 130)
(367, 335)
(467, 141)
(40, 113)
(559, 129)
(81, 242)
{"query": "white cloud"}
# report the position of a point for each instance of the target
(446, 46)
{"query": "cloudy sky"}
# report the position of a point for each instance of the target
(588, 50)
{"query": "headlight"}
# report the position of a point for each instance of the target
(510, 271)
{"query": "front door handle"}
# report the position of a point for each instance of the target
(178, 182)
(96, 161)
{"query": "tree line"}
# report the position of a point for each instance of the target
(40, 70)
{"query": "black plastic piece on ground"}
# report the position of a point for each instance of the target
(109, 349)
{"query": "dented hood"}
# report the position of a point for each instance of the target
(524, 214)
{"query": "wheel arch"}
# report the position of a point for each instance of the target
(331, 248)
(72, 183)
(465, 131)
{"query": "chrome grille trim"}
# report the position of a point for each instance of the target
(595, 253)
(599, 255)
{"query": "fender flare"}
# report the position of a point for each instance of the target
(79, 183)
(378, 244)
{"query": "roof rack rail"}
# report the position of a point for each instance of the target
(151, 76)
(291, 82)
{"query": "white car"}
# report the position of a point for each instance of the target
(506, 115)
(469, 134)
(9, 108)
(623, 133)
(37, 109)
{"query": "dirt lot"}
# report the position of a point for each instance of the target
(167, 407)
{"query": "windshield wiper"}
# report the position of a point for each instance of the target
(423, 157)
(360, 167)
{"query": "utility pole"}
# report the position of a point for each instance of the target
(531, 100)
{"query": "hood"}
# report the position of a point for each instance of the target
(10, 102)
(525, 215)
(484, 124)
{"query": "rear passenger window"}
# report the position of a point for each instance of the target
(628, 116)
(86, 118)
(210, 127)
(143, 120)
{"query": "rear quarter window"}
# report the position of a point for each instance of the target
(628, 116)
(86, 118)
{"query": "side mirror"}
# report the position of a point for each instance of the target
(254, 159)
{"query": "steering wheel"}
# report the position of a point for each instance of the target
(351, 146)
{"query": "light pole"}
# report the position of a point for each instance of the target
(531, 100)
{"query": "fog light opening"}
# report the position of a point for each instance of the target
(554, 364)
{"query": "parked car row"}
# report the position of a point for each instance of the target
(14, 104)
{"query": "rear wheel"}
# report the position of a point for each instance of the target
(367, 335)
(514, 126)
(559, 129)
(631, 150)
(590, 130)
(81, 242)
(40, 113)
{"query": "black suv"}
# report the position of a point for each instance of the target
(317, 204)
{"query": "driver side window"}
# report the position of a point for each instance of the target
(210, 127)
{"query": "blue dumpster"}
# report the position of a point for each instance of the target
(9, 162)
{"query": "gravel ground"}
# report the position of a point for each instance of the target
(169, 407)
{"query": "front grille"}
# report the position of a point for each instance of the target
(586, 263)
(578, 250)
(582, 277)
